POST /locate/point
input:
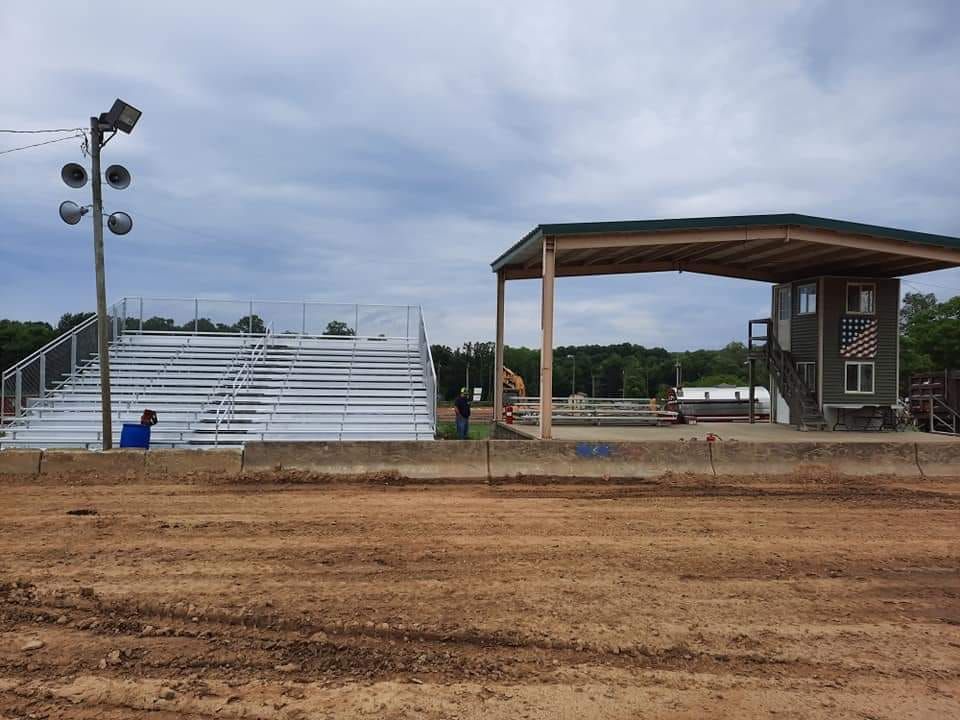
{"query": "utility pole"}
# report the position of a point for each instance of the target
(103, 341)
(121, 117)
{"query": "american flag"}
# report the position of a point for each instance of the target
(858, 337)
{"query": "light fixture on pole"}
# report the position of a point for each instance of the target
(121, 117)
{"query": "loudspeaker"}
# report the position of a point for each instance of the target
(74, 175)
(118, 177)
(70, 212)
(119, 223)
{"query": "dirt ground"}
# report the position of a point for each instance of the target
(673, 599)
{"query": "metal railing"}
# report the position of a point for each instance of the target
(429, 371)
(46, 369)
(943, 419)
(251, 317)
(594, 411)
(228, 405)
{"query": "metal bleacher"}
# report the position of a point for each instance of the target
(231, 384)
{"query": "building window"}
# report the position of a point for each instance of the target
(807, 299)
(808, 373)
(859, 377)
(860, 298)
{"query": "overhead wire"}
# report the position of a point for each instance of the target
(47, 142)
(38, 132)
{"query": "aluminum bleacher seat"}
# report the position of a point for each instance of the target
(224, 389)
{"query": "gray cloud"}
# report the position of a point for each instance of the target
(386, 152)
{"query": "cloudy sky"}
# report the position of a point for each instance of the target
(386, 152)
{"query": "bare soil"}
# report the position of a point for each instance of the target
(671, 599)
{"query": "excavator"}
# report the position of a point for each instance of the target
(513, 386)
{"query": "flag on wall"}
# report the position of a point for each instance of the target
(858, 337)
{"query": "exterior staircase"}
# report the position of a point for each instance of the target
(805, 412)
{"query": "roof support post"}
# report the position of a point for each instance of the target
(498, 351)
(546, 344)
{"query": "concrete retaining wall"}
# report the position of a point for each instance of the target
(850, 458)
(87, 465)
(423, 460)
(568, 459)
(182, 463)
(19, 463)
(496, 460)
(939, 460)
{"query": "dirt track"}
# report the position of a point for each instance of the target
(662, 600)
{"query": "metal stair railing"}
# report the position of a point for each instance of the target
(429, 371)
(804, 408)
(944, 420)
(227, 406)
(28, 378)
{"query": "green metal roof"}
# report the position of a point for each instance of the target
(534, 237)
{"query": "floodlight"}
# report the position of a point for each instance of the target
(71, 213)
(74, 175)
(119, 223)
(118, 177)
(122, 116)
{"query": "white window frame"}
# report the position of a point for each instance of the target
(800, 293)
(813, 378)
(846, 299)
(873, 377)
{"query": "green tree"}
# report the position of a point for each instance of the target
(340, 328)
(68, 321)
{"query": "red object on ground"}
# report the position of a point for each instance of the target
(508, 414)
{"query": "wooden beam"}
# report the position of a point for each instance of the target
(498, 350)
(546, 339)
(696, 266)
(670, 237)
(862, 242)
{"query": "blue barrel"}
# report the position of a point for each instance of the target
(135, 435)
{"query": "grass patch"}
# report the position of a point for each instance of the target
(478, 431)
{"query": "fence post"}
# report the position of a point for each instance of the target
(123, 325)
(43, 374)
(356, 321)
(73, 354)
(408, 322)
(141, 315)
(303, 320)
(196, 314)
(18, 396)
(250, 317)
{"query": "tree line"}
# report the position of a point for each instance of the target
(617, 370)
(929, 332)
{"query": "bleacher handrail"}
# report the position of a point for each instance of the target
(240, 380)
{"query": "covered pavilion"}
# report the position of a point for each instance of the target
(778, 248)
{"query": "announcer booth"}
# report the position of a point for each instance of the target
(831, 343)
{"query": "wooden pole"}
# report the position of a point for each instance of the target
(498, 351)
(750, 383)
(546, 345)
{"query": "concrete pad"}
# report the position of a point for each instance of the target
(419, 460)
(179, 463)
(126, 464)
(604, 460)
(940, 461)
(793, 458)
(20, 463)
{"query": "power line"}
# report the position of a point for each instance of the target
(48, 142)
(37, 132)
(942, 287)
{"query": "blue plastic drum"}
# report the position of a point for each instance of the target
(135, 435)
